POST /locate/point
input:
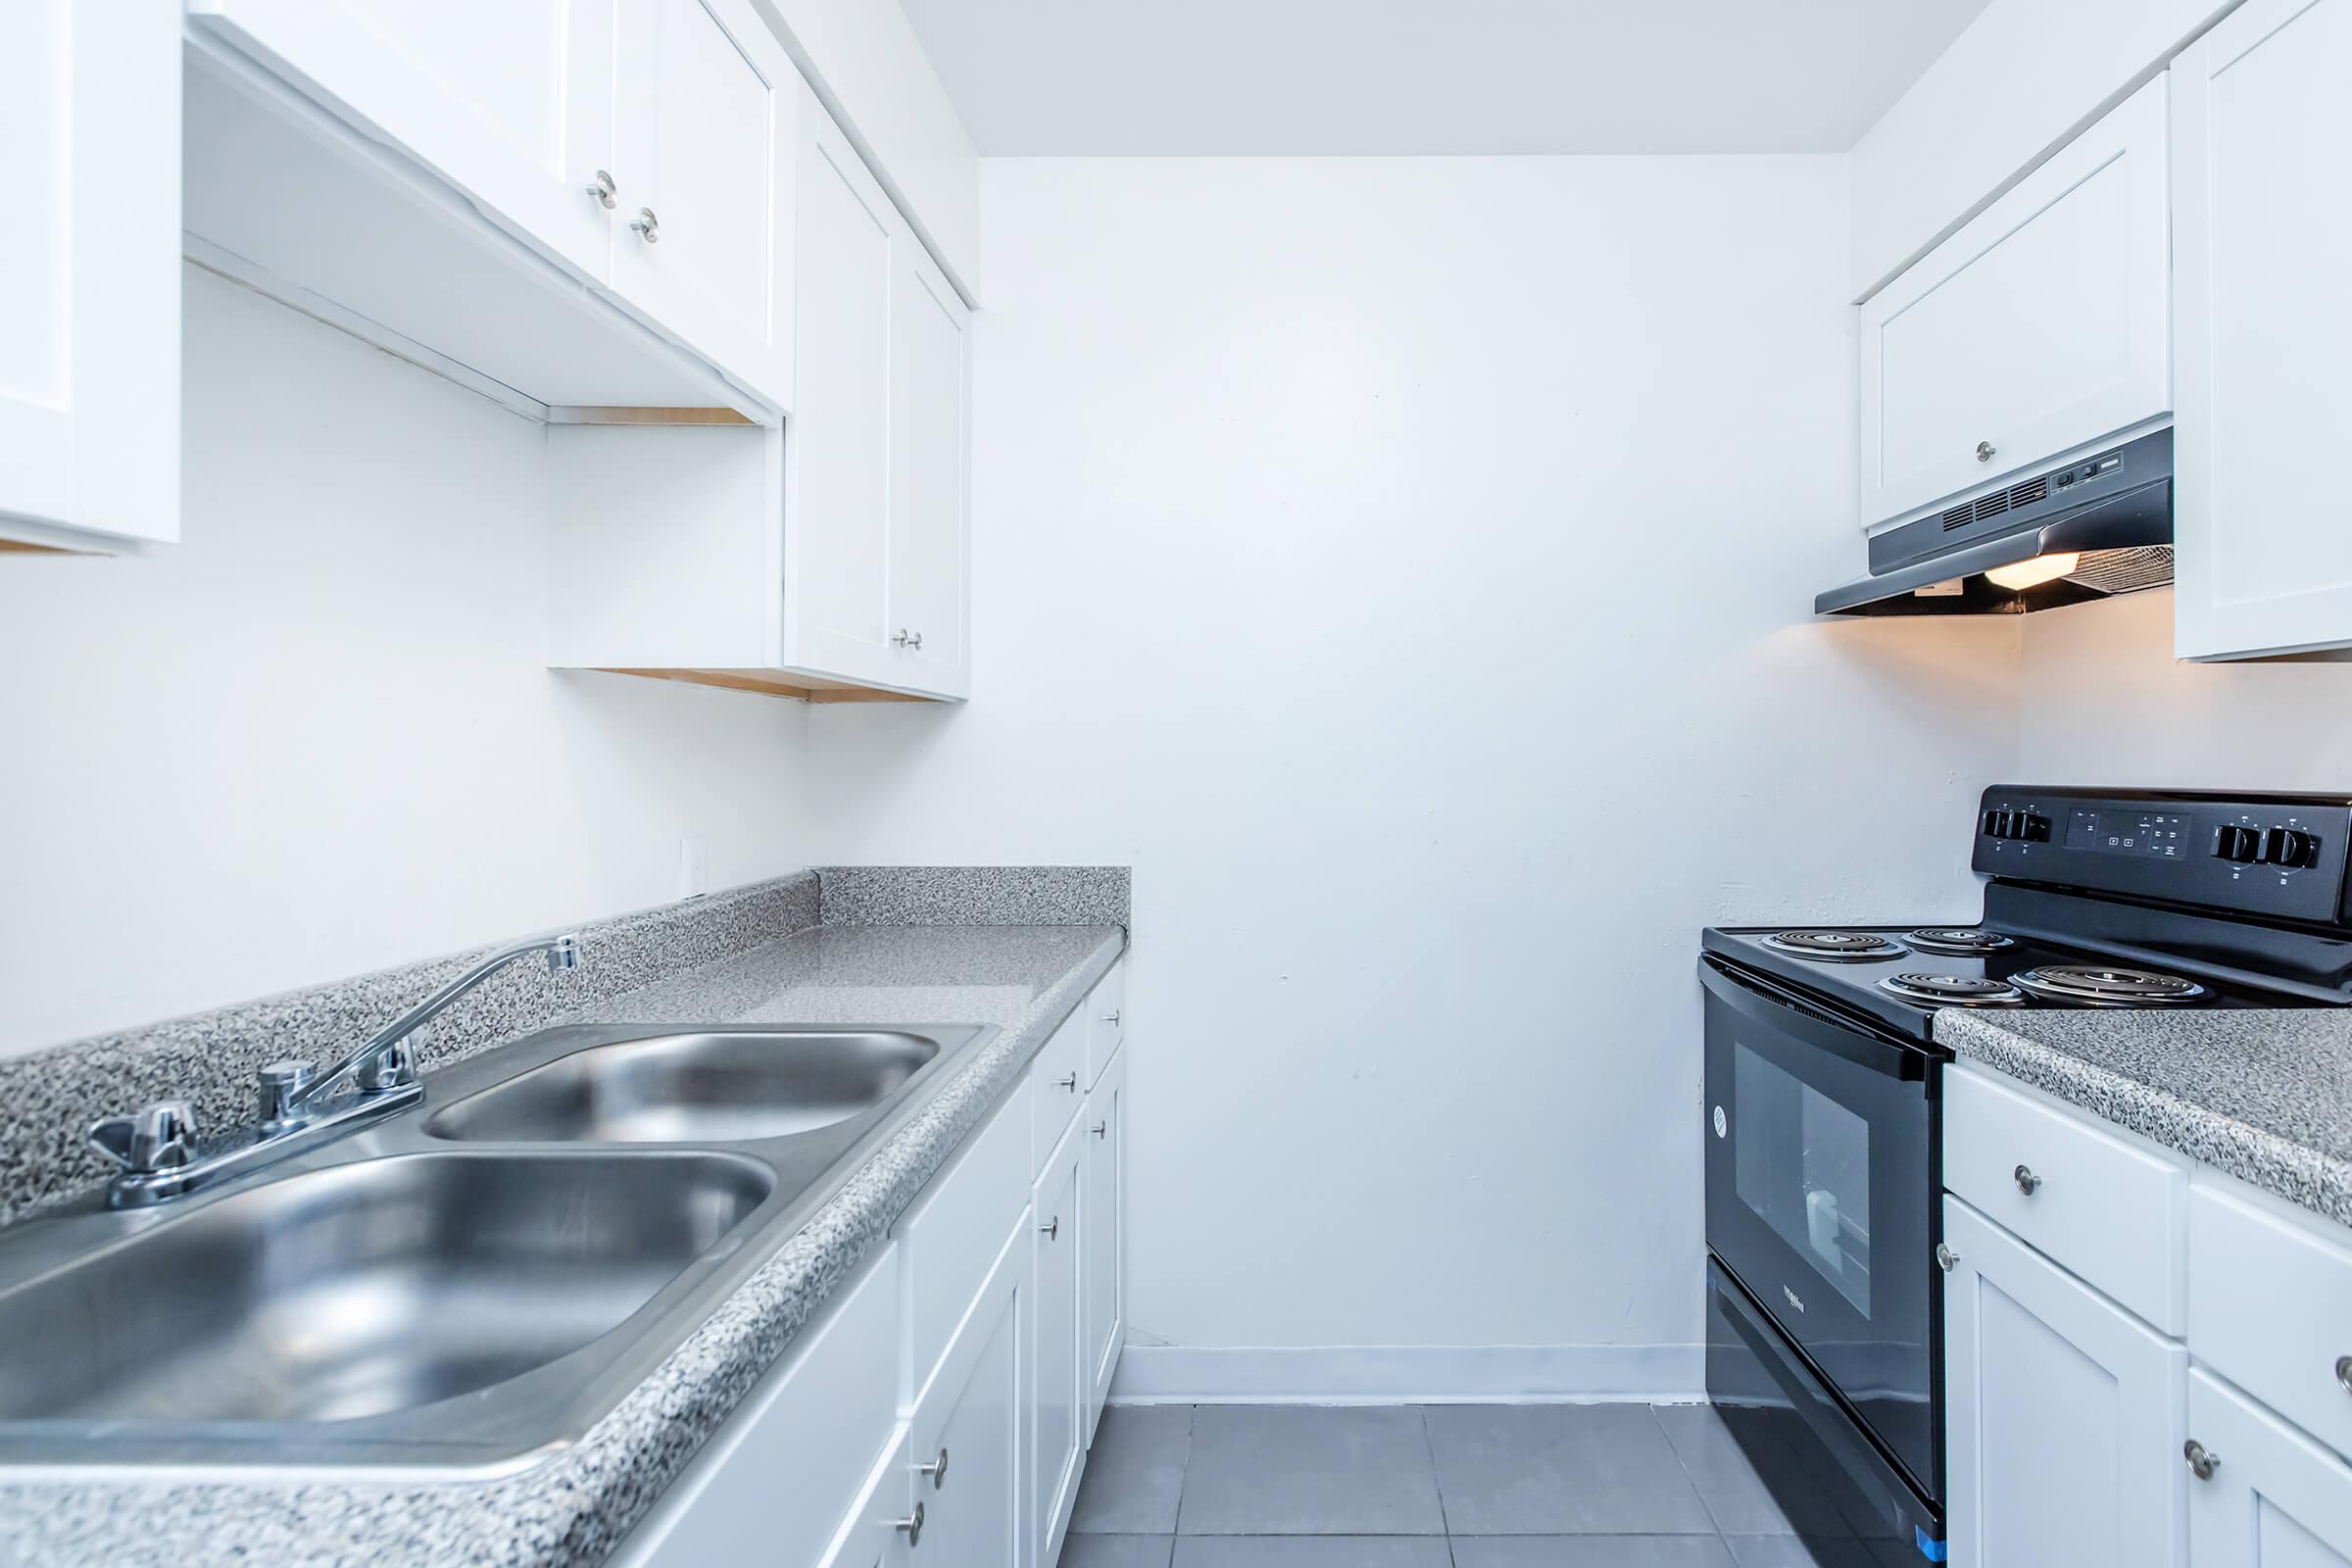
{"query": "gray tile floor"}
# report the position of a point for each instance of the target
(1442, 1485)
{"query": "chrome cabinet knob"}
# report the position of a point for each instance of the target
(1070, 1083)
(1111, 1018)
(913, 1526)
(2202, 1461)
(1052, 1232)
(1101, 1127)
(2027, 1182)
(2343, 1373)
(647, 226)
(277, 1084)
(911, 641)
(603, 189)
(937, 1470)
(1985, 450)
(161, 1137)
(1945, 1258)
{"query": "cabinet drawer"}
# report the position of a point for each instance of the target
(1106, 1021)
(2270, 1306)
(951, 1234)
(792, 1464)
(2105, 1207)
(1057, 1085)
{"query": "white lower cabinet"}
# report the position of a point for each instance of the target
(2269, 1496)
(2066, 1414)
(967, 1433)
(2079, 1434)
(1103, 1239)
(939, 1410)
(1057, 1422)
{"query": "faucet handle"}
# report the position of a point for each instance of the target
(279, 1084)
(158, 1138)
(392, 1068)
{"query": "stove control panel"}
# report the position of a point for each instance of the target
(2280, 857)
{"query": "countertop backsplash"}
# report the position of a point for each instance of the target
(49, 1098)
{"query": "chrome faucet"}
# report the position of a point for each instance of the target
(157, 1147)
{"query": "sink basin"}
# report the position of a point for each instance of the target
(365, 1288)
(718, 1086)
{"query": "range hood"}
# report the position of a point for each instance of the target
(2091, 528)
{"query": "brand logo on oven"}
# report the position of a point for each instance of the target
(1794, 1300)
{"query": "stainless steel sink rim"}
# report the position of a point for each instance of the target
(513, 1423)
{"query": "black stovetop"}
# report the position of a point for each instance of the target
(1854, 983)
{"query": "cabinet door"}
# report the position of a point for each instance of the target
(930, 382)
(837, 443)
(2264, 325)
(708, 105)
(2273, 1500)
(511, 103)
(89, 279)
(1103, 1235)
(2064, 1414)
(875, 1533)
(970, 1439)
(1056, 1423)
(2040, 327)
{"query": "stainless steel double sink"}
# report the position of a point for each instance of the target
(464, 1286)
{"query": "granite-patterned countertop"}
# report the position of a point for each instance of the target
(577, 1505)
(2264, 1095)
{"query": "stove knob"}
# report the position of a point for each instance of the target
(2290, 847)
(2234, 843)
(2033, 829)
(2003, 826)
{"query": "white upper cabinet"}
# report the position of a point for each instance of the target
(837, 574)
(877, 508)
(930, 384)
(706, 104)
(2041, 326)
(509, 103)
(2262, 130)
(89, 335)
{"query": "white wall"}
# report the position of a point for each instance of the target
(1405, 565)
(2104, 702)
(319, 736)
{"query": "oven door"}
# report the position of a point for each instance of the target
(1820, 1200)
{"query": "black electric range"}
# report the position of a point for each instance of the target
(1823, 1098)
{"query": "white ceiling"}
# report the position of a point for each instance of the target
(1093, 77)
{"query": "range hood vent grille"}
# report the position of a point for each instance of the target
(2125, 572)
(1993, 505)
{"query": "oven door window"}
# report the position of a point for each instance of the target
(1803, 1167)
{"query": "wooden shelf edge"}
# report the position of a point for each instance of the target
(776, 683)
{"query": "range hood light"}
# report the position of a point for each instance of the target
(2018, 576)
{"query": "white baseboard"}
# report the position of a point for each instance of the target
(1412, 1374)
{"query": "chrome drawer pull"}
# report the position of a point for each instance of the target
(2027, 1182)
(2202, 1461)
(2343, 1373)
(937, 1470)
(913, 1527)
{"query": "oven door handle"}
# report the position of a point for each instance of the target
(1786, 1014)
